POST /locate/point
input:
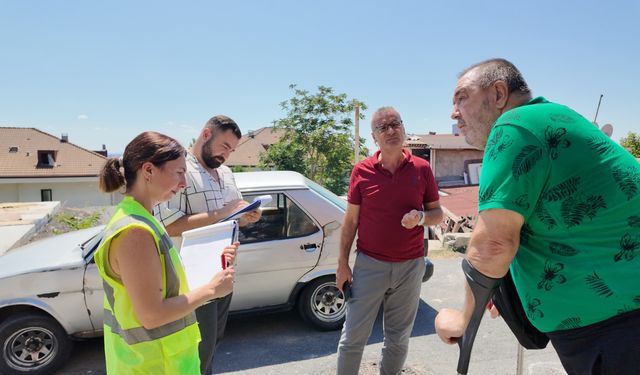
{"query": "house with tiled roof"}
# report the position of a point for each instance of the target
(251, 145)
(36, 166)
(454, 162)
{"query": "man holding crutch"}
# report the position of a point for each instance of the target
(560, 207)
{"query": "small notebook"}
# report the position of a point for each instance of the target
(259, 201)
(202, 249)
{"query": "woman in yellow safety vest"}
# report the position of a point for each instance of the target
(149, 323)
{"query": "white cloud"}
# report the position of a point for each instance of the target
(83, 117)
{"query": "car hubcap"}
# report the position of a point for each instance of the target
(328, 302)
(30, 348)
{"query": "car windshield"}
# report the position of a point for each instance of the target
(327, 194)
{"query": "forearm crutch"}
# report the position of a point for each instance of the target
(482, 287)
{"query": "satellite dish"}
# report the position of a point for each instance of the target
(607, 129)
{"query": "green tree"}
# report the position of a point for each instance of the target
(318, 140)
(632, 143)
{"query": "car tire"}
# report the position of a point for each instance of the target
(322, 304)
(32, 344)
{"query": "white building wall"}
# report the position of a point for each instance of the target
(70, 194)
(9, 193)
(450, 162)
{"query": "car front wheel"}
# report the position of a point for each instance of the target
(322, 304)
(32, 343)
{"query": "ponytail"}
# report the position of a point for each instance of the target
(111, 179)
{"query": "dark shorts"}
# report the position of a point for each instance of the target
(611, 347)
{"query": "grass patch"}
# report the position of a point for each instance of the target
(78, 221)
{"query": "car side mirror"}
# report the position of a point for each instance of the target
(330, 227)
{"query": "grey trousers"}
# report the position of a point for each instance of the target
(395, 285)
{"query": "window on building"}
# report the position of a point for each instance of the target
(46, 159)
(13, 149)
(46, 195)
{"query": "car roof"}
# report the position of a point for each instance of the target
(270, 180)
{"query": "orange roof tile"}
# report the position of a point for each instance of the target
(71, 160)
(462, 201)
(253, 143)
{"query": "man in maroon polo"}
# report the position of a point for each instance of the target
(392, 195)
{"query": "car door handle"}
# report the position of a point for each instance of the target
(309, 247)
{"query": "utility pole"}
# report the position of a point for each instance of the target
(598, 109)
(356, 157)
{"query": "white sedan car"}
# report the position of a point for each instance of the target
(51, 292)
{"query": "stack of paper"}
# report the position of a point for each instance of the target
(202, 249)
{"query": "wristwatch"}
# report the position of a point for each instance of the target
(421, 222)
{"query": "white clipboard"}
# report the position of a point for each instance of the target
(202, 251)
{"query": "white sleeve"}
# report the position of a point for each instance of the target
(172, 210)
(231, 189)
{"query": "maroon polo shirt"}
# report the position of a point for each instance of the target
(384, 198)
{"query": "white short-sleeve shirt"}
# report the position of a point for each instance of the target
(202, 194)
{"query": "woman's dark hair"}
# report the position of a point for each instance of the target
(152, 147)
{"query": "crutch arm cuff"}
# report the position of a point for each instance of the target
(477, 279)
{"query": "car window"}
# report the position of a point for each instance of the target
(327, 194)
(299, 224)
(281, 218)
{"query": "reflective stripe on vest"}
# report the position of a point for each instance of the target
(140, 334)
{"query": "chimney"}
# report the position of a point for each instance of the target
(102, 152)
(64, 138)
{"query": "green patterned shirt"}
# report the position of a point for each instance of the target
(579, 193)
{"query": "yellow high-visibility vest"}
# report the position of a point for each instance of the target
(129, 347)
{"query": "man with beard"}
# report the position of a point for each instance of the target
(211, 195)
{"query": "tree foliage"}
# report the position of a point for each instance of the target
(318, 140)
(632, 143)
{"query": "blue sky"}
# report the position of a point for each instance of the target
(105, 71)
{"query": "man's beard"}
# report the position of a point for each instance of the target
(208, 158)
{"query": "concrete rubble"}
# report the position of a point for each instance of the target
(20, 220)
